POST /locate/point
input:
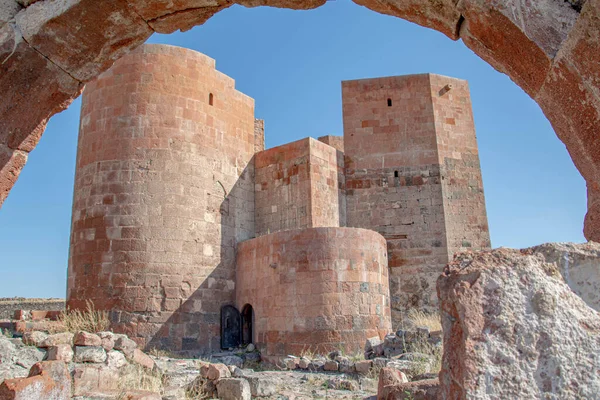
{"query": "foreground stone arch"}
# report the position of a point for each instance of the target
(550, 48)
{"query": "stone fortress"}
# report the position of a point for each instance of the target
(197, 238)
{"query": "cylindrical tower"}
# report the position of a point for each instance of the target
(314, 289)
(163, 192)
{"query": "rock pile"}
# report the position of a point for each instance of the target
(94, 363)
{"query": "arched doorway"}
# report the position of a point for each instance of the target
(230, 327)
(247, 325)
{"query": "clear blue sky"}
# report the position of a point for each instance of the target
(291, 63)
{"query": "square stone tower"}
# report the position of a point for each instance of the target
(413, 175)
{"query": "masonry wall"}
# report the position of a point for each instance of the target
(163, 192)
(334, 141)
(298, 186)
(458, 155)
(316, 289)
(395, 183)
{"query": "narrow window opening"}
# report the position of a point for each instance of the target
(210, 99)
(395, 174)
(389, 102)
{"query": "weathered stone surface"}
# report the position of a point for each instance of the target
(46, 380)
(389, 379)
(34, 338)
(419, 390)
(579, 265)
(60, 352)
(115, 359)
(373, 347)
(126, 345)
(261, 386)
(87, 339)
(58, 339)
(91, 354)
(107, 339)
(514, 329)
(8, 9)
(233, 389)
(141, 358)
(112, 30)
(91, 378)
(363, 367)
(218, 371)
(331, 365)
(442, 15)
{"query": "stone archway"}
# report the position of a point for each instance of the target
(550, 48)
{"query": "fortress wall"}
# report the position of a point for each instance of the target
(327, 183)
(298, 186)
(334, 141)
(314, 289)
(464, 202)
(393, 181)
(282, 188)
(163, 192)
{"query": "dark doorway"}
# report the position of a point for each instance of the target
(230, 327)
(247, 324)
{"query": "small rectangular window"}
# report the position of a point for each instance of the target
(389, 102)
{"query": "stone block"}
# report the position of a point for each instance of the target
(331, 365)
(218, 371)
(115, 359)
(234, 389)
(34, 338)
(46, 380)
(389, 379)
(141, 358)
(90, 354)
(363, 367)
(87, 339)
(60, 352)
(65, 338)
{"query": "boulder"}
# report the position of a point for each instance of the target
(91, 354)
(83, 338)
(57, 339)
(46, 380)
(115, 359)
(141, 358)
(514, 329)
(303, 363)
(261, 386)
(34, 338)
(60, 352)
(363, 367)
(124, 344)
(233, 389)
(27, 356)
(579, 266)
(331, 365)
(389, 379)
(218, 371)
(373, 347)
(418, 390)
(291, 363)
(107, 340)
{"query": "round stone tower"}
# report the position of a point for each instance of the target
(163, 192)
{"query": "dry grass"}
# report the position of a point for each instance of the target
(89, 320)
(433, 363)
(136, 377)
(429, 320)
(200, 389)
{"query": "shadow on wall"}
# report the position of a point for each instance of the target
(195, 325)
